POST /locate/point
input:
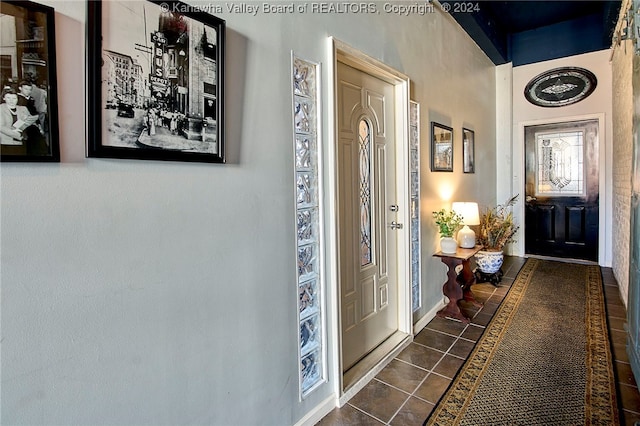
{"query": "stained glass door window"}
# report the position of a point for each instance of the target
(560, 163)
(364, 137)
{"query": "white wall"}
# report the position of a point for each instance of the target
(141, 292)
(622, 151)
(598, 103)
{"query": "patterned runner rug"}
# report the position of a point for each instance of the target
(544, 358)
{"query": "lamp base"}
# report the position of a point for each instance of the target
(466, 237)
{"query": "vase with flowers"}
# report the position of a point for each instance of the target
(448, 222)
(496, 229)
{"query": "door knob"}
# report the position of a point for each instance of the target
(393, 207)
(396, 225)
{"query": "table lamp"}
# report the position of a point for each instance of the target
(470, 216)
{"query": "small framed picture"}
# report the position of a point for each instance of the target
(29, 105)
(468, 151)
(441, 148)
(155, 81)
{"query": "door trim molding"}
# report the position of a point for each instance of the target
(604, 165)
(339, 51)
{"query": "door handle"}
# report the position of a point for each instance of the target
(530, 199)
(396, 225)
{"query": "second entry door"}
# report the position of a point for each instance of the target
(562, 194)
(367, 210)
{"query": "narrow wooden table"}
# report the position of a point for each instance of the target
(458, 285)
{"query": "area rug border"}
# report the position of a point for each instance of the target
(600, 398)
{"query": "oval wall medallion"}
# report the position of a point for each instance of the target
(560, 86)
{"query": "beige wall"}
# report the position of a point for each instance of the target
(456, 87)
(622, 147)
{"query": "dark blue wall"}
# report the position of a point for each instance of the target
(548, 42)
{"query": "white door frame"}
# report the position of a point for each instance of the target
(340, 51)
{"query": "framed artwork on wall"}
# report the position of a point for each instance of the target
(156, 81)
(441, 148)
(468, 151)
(28, 109)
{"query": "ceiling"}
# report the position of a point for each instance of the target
(524, 32)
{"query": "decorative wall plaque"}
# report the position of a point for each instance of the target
(560, 86)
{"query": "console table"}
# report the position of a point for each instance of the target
(458, 285)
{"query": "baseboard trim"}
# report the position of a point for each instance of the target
(318, 412)
(422, 322)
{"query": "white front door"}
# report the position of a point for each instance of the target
(367, 212)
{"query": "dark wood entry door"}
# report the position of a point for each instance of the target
(561, 190)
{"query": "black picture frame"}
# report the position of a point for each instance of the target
(441, 148)
(29, 104)
(468, 150)
(155, 81)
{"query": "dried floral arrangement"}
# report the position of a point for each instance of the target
(497, 227)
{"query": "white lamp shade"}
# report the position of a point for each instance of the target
(470, 216)
(468, 211)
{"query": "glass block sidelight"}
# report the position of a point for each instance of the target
(310, 285)
(414, 181)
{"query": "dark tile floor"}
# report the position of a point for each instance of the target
(406, 391)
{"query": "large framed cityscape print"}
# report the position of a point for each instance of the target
(156, 81)
(28, 109)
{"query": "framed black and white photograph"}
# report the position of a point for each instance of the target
(468, 151)
(441, 148)
(28, 108)
(156, 81)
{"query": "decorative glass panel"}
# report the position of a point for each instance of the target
(305, 190)
(365, 192)
(310, 334)
(306, 260)
(560, 163)
(308, 248)
(311, 369)
(304, 78)
(307, 220)
(304, 118)
(308, 298)
(414, 180)
(304, 145)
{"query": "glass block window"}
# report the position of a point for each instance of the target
(307, 222)
(414, 181)
(560, 165)
(364, 149)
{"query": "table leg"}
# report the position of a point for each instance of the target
(453, 291)
(466, 279)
